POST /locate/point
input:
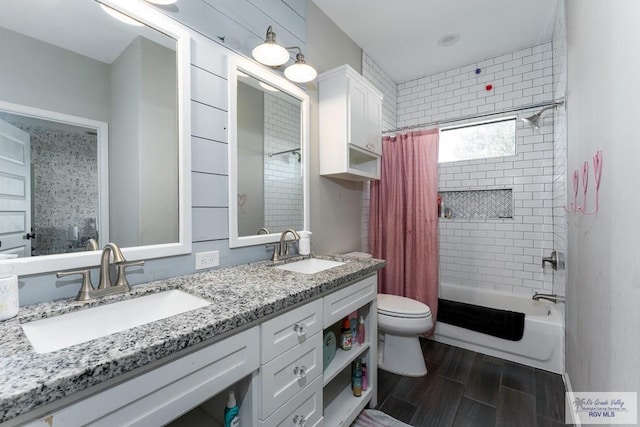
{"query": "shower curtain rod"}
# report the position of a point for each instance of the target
(476, 116)
(293, 150)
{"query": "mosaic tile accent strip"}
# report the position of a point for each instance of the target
(479, 203)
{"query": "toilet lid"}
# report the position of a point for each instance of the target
(397, 306)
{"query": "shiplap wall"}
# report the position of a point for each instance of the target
(242, 24)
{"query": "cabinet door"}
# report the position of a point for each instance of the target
(374, 124)
(357, 113)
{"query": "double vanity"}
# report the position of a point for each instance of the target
(256, 329)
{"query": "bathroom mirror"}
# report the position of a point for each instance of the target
(94, 132)
(268, 155)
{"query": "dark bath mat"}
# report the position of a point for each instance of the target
(499, 323)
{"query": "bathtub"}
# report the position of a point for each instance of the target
(542, 345)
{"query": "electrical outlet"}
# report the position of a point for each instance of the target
(207, 259)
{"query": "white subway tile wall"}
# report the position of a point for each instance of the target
(381, 80)
(500, 254)
(282, 173)
(559, 55)
(517, 78)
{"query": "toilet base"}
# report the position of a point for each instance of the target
(401, 355)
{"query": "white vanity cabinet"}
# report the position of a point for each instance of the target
(291, 363)
(350, 125)
(275, 369)
(295, 387)
(157, 396)
(341, 407)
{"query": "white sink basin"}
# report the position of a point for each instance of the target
(69, 329)
(310, 266)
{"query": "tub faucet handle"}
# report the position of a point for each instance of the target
(555, 260)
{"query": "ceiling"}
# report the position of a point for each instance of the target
(80, 26)
(402, 36)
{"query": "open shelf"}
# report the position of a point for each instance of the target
(363, 163)
(341, 407)
(197, 417)
(343, 359)
(210, 413)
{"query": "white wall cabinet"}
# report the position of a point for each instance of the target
(275, 369)
(350, 125)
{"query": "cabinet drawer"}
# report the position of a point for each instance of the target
(282, 378)
(290, 329)
(338, 304)
(305, 405)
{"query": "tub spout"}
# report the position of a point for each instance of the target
(549, 297)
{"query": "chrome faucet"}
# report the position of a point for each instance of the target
(263, 230)
(105, 286)
(281, 249)
(549, 297)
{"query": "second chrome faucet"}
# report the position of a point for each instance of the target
(281, 249)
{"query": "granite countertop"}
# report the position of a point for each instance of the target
(240, 296)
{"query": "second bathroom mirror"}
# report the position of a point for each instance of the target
(268, 155)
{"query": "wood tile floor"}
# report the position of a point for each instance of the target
(468, 389)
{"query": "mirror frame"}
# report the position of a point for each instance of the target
(154, 19)
(235, 64)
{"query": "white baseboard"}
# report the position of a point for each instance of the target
(567, 386)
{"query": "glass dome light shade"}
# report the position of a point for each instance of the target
(300, 71)
(270, 54)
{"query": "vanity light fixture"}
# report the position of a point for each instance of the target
(272, 54)
(300, 71)
(120, 16)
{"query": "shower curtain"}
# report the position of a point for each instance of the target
(403, 226)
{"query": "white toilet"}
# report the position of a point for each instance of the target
(400, 321)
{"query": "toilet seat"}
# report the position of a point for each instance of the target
(402, 307)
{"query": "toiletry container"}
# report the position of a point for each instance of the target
(231, 417)
(345, 334)
(304, 244)
(9, 303)
(361, 331)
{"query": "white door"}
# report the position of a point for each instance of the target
(15, 190)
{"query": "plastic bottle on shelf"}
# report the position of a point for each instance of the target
(231, 412)
(361, 331)
(364, 375)
(356, 377)
(345, 335)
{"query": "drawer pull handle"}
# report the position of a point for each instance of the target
(300, 371)
(300, 329)
(299, 420)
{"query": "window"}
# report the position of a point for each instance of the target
(478, 141)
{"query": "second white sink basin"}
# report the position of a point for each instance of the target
(310, 266)
(55, 333)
